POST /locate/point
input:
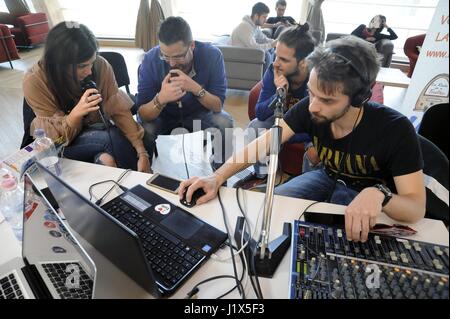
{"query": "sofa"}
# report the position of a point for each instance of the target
(29, 29)
(8, 50)
(384, 47)
(243, 66)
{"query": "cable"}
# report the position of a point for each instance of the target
(238, 283)
(98, 201)
(195, 289)
(182, 140)
(256, 286)
(346, 154)
(309, 206)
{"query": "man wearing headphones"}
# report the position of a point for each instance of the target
(370, 153)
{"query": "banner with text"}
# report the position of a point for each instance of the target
(430, 81)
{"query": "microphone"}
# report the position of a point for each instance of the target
(281, 92)
(89, 84)
(174, 75)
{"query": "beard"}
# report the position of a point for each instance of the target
(322, 120)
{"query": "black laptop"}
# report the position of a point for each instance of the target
(156, 243)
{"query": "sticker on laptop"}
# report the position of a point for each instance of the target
(163, 209)
(49, 224)
(58, 250)
(55, 233)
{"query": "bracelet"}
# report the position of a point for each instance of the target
(144, 153)
(158, 104)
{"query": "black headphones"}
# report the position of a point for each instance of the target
(362, 96)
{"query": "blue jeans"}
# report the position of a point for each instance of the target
(255, 129)
(216, 123)
(318, 186)
(91, 143)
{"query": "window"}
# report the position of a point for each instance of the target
(105, 18)
(210, 18)
(3, 7)
(406, 17)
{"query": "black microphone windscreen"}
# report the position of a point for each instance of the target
(88, 84)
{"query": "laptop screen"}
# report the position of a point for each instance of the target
(45, 238)
(109, 237)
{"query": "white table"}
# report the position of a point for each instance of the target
(393, 77)
(112, 283)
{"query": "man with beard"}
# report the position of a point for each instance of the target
(288, 71)
(182, 81)
(370, 153)
(248, 33)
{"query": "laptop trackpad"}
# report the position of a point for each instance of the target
(182, 224)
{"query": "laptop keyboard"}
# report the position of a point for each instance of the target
(59, 276)
(9, 287)
(170, 259)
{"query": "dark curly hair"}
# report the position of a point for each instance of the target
(298, 37)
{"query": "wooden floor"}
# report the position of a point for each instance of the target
(11, 126)
(11, 95)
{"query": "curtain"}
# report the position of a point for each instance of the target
(17, 7)
(148, 20)
(51, 8)
(315, 20)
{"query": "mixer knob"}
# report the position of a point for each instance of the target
(398, 295)
(414, 281)
(417, 247)
(386, 294)
(402, 278)
(404, 258)
(427, 283)
(438, 250)
(440, 286)
(437, 264)
(390, 276)
(407, 245)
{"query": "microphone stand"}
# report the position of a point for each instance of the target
(265, 256)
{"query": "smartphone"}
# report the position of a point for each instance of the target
(163, 182)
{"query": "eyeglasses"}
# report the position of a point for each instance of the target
(176, 58)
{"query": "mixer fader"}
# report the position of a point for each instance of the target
(327, 266)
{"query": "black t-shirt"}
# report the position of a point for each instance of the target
(284, 19)
(383, 145)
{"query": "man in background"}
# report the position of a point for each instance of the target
(276, 25)
(248, 33)
(290, 72)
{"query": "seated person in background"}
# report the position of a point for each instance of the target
(70, 116)
(365, 148)
(248, 33)
(373, 32)
(193, 90)
(277, 24)
(289, 71)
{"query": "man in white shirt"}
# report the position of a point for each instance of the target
(248, 33)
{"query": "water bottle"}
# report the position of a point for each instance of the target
(11, 201)
(46, 152)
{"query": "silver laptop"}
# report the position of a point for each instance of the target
(53, 263)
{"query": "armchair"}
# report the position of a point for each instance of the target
(384, 47)
(412, 51)
(8, 50)
(29, 29)
(243, 66)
